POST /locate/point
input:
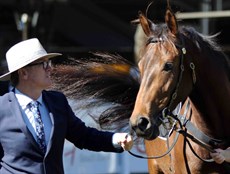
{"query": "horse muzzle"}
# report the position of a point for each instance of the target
(143, 127)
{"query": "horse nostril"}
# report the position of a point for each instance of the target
(143, 123)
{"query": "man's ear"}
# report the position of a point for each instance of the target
(23, 73)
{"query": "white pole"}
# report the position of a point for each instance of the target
(205, 14)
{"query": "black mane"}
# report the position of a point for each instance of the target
(101, 79)
(204, 42)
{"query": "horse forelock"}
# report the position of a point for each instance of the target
(160, 31)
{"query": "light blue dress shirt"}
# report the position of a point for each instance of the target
(28, 117)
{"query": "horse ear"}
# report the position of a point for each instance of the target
(145, 23)
(171, 21)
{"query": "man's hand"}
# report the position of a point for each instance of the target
(125, 141)
(221, 155)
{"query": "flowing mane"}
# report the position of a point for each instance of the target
(210, 43)
(103, 79)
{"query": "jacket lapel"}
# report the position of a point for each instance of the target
(13, 103)
(46, 100)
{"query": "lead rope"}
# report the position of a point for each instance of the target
(174, 141)
(160, 156)
(187, 135)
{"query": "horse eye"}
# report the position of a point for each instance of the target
(168, 66)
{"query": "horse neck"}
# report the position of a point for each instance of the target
(211, 93)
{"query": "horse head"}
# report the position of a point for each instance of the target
(163, 74)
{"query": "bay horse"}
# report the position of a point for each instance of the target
(179, 68)
(182, 65)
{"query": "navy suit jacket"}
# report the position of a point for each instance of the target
(21, 152)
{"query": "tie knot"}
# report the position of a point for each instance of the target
(34, 104)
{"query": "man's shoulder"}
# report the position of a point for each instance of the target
(53, 93)
(9, 96)
(54, 97)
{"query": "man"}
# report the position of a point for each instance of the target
(34, 123)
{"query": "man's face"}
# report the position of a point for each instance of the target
(39, 74)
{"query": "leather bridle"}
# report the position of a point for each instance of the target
(186, 127)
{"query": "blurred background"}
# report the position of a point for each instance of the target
(78, 27)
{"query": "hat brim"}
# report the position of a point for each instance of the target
(6, 76)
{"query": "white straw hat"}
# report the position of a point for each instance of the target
(24, 53)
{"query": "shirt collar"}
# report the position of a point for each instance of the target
(24, 100)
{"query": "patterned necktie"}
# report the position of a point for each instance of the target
(39, 127)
